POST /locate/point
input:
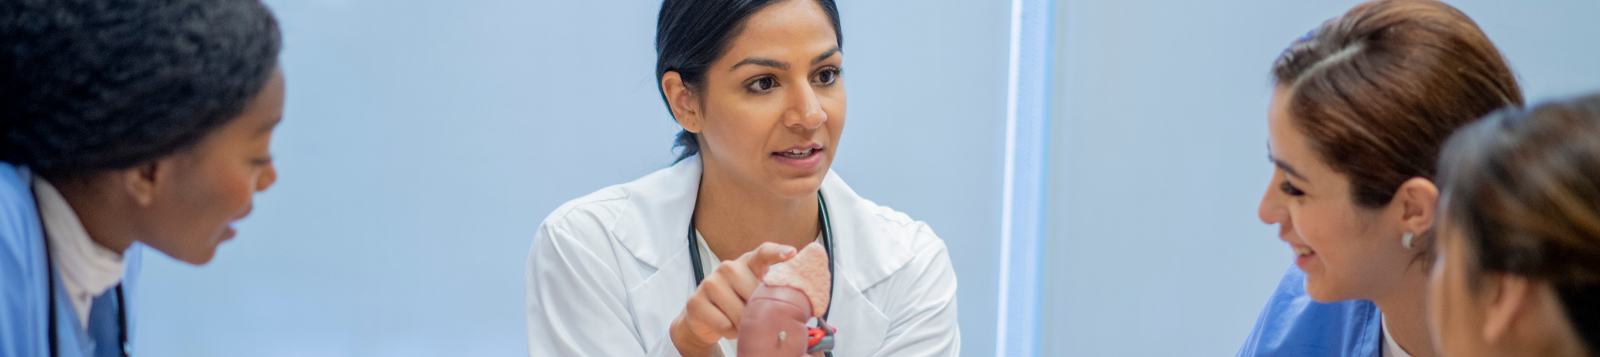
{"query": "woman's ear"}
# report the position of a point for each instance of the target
(681, 99)
(1419, 204)
(1506, 298)
(140, 182)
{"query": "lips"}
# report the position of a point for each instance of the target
(804, 158)
(1302, 250)
(800, 152)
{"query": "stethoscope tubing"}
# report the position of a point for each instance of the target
(827, 244)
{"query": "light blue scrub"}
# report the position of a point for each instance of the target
(1294, 325)
(23, 323)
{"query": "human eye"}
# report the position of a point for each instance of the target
(826, 76)
(761, 84)
(261, 161)
(1289, 189)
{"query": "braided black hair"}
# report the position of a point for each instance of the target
(91, 85)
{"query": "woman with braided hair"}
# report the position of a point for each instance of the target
(122, 122)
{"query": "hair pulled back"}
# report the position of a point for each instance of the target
(1378, 89)
(1523, 187)
(692, 34)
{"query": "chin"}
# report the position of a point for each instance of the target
(197, 257)
(801, 186)
(1324, 291)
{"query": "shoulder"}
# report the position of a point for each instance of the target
(909, 233)
(880, 242)
(21, 265)
(1293, 324)
(595, 212)
(636, 216)
(19, 219)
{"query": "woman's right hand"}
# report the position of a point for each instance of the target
(714, 310)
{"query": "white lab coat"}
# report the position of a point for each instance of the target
(608, 273)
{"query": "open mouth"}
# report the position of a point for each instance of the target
(802, 157)
(799, 154)
(1303, 256)
(1303, 251)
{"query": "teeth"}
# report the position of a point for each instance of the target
(1302, 251)
(797, 153)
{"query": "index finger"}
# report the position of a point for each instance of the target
(765, 256)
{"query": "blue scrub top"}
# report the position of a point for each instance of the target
(1294, 325)
(23, 278)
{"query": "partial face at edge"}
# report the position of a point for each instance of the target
(1346, 251)
(773, 106)
(1454, 310)
(211, 185)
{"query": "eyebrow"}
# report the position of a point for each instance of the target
(768, 62)
(762, 62)
(825, 54)
(267, 128)
(1285, 166)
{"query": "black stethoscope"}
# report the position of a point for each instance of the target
(50, 296)
(827, 245)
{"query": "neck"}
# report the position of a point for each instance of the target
(98, 214)
(735, 218)
(1403, 311)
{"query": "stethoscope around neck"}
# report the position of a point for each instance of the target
(50, 299)
(827, 244)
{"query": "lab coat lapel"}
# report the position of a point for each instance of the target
(655, 226)
(654, 229)
(865, 249)
(658, 299)
(861, 325)
(865, 252)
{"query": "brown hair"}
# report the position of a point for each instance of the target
(1523, 187)
(1377, 90)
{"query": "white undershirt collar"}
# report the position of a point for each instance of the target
(87, 269)
(1391, 348)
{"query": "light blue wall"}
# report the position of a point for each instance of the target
(1159, 158)
(424, 141)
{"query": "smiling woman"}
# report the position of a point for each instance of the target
(664, 265)
(1362, 105)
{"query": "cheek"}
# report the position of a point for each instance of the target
(223, 193)
(1333, 235)
(739, 130)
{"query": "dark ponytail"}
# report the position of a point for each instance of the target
(693, 34)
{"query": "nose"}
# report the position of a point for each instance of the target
(1272, 209)
(268, 176)
(805, 111)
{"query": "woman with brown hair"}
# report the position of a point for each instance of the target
(1518, 272)
(1361, 107)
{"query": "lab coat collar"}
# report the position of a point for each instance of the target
(655, 224)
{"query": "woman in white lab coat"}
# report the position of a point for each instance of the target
(661, 266)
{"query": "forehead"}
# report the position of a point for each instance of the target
(1284, 137)
(789, 28)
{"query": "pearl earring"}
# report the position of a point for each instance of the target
(1405, 240)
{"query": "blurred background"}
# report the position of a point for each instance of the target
(424, 141)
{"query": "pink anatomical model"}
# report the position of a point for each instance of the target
(790, 296)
